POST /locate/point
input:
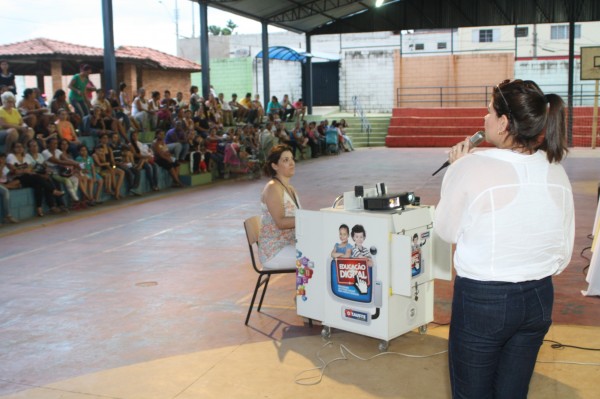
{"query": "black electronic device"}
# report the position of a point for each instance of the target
(388, 202)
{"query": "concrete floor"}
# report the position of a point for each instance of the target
(146, 298)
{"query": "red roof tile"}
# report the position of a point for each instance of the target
(41, 46)
(51, 48)
(164, 60)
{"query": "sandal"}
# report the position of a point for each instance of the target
(10, 219)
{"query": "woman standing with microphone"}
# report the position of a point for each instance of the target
(509, 210)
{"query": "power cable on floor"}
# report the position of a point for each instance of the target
(344, 351)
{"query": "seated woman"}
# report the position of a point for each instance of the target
(82, 177)
(66, 131)
(38, 164)
(139, 110)
(163, 158)
(106, 112)
(94, 124)
(236, 158)
(105, 160)
(120, 113)
(63, 170)
(214, 110)
(34, 115)
(279, 201)
(59, 101)
(12, 126)
(23, 171)
(143, 157)
(6, 184)
(153, 108)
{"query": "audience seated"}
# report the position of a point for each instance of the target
(91, 178)
(194, 133)
(106, 113)
(34, 115)
(105, 160)
(163, 157)
(59, 101)
(7, 183)
(143, 158)
(22, 170)
(63, 170)
(12, 126)
(288, 108)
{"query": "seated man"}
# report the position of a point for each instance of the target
(300, 109)
(177, 142)
(252, 112)
(288, 108)
(239, 111)
(274, 107)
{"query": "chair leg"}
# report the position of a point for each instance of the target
(258, 284)
(266, 282)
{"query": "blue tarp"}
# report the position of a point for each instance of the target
(283, 53)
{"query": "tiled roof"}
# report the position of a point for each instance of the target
(41, 47)
(48, 48)
(164, 60)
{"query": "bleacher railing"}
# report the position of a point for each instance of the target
(365, 125)
(476, 96)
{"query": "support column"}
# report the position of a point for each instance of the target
(308, 96)
(204, 54)
(265, 63)
(110, 61)
(56, 74)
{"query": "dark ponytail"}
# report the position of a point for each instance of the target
(555, 137)
(536, 121)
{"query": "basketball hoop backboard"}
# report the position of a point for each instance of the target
(590, 63)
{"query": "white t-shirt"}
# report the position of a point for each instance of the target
(511, 216)
(47, 155)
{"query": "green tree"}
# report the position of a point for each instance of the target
(214, 30)
(230, 26)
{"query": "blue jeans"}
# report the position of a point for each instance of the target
(496, 332)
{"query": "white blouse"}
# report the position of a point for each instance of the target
(511, 216)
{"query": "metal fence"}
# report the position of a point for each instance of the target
(479, 96)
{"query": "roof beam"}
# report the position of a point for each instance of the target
(308, 9)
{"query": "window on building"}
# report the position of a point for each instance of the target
(486, 36)
(521, 31)
(420, 46)
(561, 32)
(441, 45)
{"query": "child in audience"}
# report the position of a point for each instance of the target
(6, 184)
(144, 158)
(88, 169)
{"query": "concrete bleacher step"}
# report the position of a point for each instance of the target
(360, 138)
(196, 180)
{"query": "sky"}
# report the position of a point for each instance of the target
(146, 23)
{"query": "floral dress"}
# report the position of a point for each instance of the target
(271, 239)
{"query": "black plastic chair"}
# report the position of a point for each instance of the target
(252, 226)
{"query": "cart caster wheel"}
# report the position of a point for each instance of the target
(326, 332)
(423, 329)
(383, 346)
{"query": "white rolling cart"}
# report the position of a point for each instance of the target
(383, 296)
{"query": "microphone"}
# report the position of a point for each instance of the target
(474, 141)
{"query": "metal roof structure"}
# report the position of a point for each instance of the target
(316, 17)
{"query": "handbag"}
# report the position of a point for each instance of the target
(65, 171)
(39, 168)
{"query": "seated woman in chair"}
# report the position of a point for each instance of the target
(279, 201)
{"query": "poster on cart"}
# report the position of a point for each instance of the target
(341, 258)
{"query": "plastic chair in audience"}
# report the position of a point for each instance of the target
(252, 227)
